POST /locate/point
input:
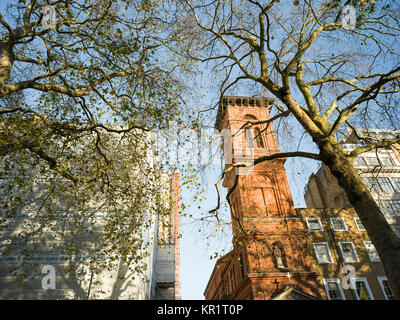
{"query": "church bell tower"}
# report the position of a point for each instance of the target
(268, 236)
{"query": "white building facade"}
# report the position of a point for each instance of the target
(61, 242)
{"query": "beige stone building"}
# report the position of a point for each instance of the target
(380, 170)
(338, 242)
(336, 233)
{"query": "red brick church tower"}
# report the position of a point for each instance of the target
(269, 259)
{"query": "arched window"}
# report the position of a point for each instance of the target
(249, 138)
(258, 137)
(249, 117)
(248, 131)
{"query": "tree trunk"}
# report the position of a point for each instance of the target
(380, 232)
(6, 61)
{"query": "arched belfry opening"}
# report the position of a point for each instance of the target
(250, 117)
(253, 132)
(258, 138)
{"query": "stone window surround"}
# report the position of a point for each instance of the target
(382, 154)
(365, 281)
(380, 280)
(371, 259)
(338, 283)
(319, 221)
(377, 185)
(340, 243)
(357, 224)
(327, 250)
(343, 221)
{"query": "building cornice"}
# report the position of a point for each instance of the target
(239, 101)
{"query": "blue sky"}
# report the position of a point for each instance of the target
(196, 265)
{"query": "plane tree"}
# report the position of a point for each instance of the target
(330, 65)
(82, 85)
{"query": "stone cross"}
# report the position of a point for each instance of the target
(288, 276)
